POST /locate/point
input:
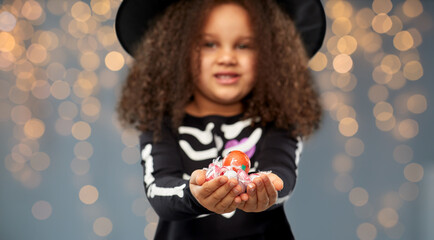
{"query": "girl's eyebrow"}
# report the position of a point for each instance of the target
(212, 35)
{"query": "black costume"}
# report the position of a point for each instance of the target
(167, 166)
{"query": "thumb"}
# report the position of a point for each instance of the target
(198, 177)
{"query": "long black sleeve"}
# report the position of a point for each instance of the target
(166, 190)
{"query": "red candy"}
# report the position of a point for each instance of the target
(237, 160)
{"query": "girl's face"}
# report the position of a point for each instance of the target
(227, 66)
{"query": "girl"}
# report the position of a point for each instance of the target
(210, 77)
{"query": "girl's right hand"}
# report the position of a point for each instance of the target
(219, 195)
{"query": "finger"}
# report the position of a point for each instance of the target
(231, 201)
(271, 191)
(198, 177)
(277, 181)
(228, 193)
(252, 201)
(262, 195)
(208, 188)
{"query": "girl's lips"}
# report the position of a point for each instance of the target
(227, 80)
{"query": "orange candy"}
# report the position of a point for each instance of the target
(237, 160)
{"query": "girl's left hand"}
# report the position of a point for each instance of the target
(261, 194)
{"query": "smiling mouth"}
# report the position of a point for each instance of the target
(227, 78)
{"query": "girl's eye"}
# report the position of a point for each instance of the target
(243, 46)
(209, 44)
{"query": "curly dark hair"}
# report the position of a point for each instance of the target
(159, 84)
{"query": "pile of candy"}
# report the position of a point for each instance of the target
(235, 165)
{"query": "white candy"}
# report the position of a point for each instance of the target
(231, 174)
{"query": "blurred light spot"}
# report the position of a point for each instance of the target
(29, 178)
(151, 215)
(25, 150)
(336, 9)
(31, 10)
(378, 93)
(37, 53)
(380, 76)
(332, 44)
(100, 7)
(42, 210)
(371, 42)
(403, 153)
(408, 128)
(80, 167)
(56, 7)
(49, 40)
(7, 42)
(347, 45)
(364, 17)
(396, 26)
(403, 41)
(150, 230)
(382, 6)
(318, 62)
(364, 212)
(417, 104)
(413, 70)
(398, 81)
(343, 182)
(17, 157)
(6, 61)
(20, 114)
(40, 161)
(81, 130)
(354, 147)
(131, 155)
(89, 61)
(87, 44)
(391, 64)
(412, 8)
(381, 23)
(23, 30)
(34, 128)
(358, 196)
(413, 172)
(83, 150)
(391, 200)
(345, 111)
(408, 191)
(348, 127)
(56, 71)
(383, 111)
(139, 207)
(7, 21)
(130, 137)
(102, 226)
(366, 231)
(343, 164)
(388, 217)
(342, 63)
(91, 106)
(60, 90)
(329, 100)
(114, 61)
(386, 125)
(23, 69)
(63, 126)
(80, 11)
(11, 165)
(88, 194)
(67, 110)
(341, 26)
(106, 36)
(41, 89)
(417, 37)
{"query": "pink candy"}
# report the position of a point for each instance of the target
(215, 169)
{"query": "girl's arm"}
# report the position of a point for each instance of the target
(167, 191)
(279, 153)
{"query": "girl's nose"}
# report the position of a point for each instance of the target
(227, 57)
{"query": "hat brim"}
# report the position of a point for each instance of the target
(134, 16)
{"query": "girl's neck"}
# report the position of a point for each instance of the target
(201, 109)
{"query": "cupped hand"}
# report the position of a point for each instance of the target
(261, 194)
(219, 195)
